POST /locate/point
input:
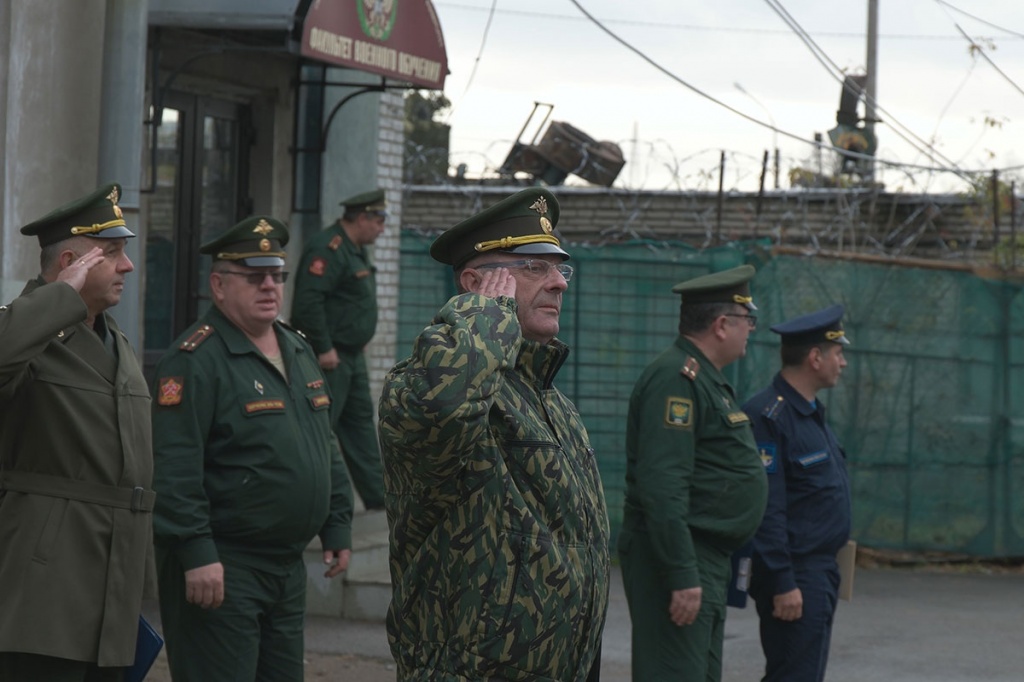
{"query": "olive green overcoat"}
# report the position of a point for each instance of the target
(76, 468)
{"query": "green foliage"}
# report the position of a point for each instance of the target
(426, 138)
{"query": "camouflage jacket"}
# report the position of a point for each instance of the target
(499, 532)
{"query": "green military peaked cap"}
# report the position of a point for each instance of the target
(257, 242)
(94, 215)
(371, 202)
(523, 223)
(727, 286)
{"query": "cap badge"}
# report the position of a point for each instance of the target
(264, 245)
(263, 228)
(540, 206)
(113, 198)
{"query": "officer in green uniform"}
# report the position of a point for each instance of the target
(335, 306)
(76, 460)
(695, 485)
(499, 533)
(247, 473)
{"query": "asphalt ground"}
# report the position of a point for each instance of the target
(953, 624)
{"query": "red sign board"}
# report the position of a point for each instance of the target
(399, 39)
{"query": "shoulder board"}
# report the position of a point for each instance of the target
(772, 409)
(198, 336)
(291, 328)
(3, 308)
(690, 368)
(335, 243)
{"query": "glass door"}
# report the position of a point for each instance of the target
(200, 190)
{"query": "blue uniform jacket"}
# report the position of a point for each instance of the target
(808, 514)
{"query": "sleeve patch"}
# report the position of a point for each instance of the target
(767, 452)
(318, 266)
(171, 391)
(678, 412)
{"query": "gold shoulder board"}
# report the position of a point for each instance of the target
(200, 335)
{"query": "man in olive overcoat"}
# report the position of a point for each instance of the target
(75, 458)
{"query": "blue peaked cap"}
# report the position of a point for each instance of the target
(817, 327)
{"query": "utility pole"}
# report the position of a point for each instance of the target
(871, 87)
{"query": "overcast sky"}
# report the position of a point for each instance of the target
(742, 53)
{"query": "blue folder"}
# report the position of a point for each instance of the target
(147, 648)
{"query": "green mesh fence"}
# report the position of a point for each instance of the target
(924, 409)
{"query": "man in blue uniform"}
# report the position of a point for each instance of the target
(795, 579)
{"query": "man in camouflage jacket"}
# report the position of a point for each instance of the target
(499, 532)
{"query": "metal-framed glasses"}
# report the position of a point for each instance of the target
(257, 278)
(751, 319)
(533, 268)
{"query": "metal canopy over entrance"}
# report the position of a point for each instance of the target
(399, 40)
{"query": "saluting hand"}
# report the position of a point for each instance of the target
(685, 605)
(75, 272)
(495, 282)
(204, 586)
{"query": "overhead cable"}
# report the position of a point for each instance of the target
(752, 119)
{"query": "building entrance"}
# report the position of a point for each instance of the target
(200, 188)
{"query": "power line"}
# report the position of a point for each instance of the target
(694, 27)
(978, 49)
(929, 150)
(785, 133)
(979, 19)
(476, 62)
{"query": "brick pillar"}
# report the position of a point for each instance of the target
(391, 136)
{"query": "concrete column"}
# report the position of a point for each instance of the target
(49, 117)
(121, 135)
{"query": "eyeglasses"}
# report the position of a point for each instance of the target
(751, 319)
(257, 278)
(534, 268)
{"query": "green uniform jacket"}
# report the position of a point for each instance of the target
(75, 560)
(499, 532)
(246, 463)
(335, 300)
(692, 467)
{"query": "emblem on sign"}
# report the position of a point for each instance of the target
(377, 17)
